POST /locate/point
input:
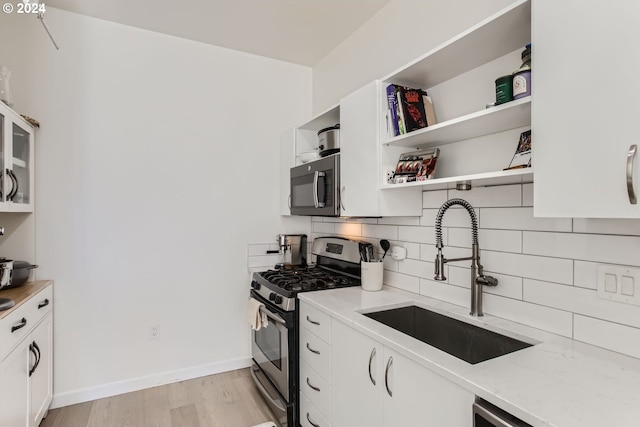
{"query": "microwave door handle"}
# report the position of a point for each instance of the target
(316, 178)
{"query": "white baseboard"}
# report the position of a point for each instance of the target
(133, 384)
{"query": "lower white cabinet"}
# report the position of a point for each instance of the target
(376, 386)
(26, 369)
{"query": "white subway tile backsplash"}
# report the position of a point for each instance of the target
(580, 301)
(433, 199)
(389, 232)
(417, 234)
(402, 281)
(403, 220)
(494, 240)
(480, 197)
(607, 226)
(546, 267)
(541, 317)
(521, 219)
(323, 227)
(349, 229)
(445, 292)
(585, 247)
(620, 338)
(585, 274)
(529, 266)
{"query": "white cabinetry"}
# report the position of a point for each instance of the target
(26, 344)
(585, 108)
(315, 367)
(476, 143)
(17, 160)
(374, 385)
(360, 152)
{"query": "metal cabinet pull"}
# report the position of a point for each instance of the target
(312, 350)
(386, 376)
(43, 303)
(313, 387)
(371, 356)
(313, 322)
(311, 422)
(36, 352)
(343, 190)
(22, 324)
(631, 156)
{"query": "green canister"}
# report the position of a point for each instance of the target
(504, 89)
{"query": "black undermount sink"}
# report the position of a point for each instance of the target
(460, 339)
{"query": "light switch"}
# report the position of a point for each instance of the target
(627, 286)
(610, 283)
(618, 283)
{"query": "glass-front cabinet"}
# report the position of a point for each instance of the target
(17, 159)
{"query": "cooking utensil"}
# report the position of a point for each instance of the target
(6, 303)
(6, 270)
(384, 244)
(20, 273)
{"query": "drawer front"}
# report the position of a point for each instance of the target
(316, 389)
(310, 416)
(316, 353)
(21, 322)
(316, 321)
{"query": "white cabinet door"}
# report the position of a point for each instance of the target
(355, 400)
(417, 397)
(14, 387)
(361, 170)
(585, 107)
(41, 378)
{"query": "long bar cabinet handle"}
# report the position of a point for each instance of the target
(371, 356)
(386, 376)
(631, 156)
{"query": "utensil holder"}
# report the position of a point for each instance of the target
(371, 275)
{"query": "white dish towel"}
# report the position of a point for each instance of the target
(256, 318)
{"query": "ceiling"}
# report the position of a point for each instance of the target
(298, 31)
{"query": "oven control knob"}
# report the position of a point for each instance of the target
(278, 299)
(272, 296)
(255, 285)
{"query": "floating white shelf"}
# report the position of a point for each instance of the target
(514, 176)
(503, 117)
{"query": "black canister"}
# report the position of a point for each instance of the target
(504, 89)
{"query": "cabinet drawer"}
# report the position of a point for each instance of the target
(316, 353)
(317, 390)
(28, 314)
(316, 321)
(310, 415)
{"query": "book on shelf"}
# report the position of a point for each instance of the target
(408, 109)
(522, 156)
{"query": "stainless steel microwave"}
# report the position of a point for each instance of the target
(315, 187)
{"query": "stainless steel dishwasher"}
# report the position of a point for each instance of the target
(487, 415)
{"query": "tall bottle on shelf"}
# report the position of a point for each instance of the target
(522, 76)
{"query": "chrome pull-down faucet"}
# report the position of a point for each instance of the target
(478, 279)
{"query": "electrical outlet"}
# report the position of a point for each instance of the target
(618, 283)
(398, 253)
(154, 332)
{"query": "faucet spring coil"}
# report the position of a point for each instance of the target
(443, 209)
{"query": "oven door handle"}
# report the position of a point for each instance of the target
(273, 316)
(276, 403)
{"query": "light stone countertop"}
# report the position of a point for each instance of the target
(557, 382)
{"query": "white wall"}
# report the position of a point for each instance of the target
(157, 165)
(399, 33)
(546, 267)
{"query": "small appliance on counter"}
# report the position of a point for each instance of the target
(293, 249)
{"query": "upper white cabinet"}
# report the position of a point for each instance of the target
(360, 154)
(476, 143)
(585, 108)
(17, 160)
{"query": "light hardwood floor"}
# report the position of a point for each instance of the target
(229, 399)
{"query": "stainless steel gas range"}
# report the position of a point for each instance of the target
(274, 349)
